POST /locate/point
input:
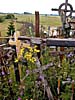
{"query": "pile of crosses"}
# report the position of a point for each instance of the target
(38, 41)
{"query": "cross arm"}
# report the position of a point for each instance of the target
(52, 41)
(54, 9)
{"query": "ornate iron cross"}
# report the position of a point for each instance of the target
(66, 4)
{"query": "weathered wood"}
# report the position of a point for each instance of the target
(43, 68)
(5, 37)
(44, 81)
(58, 86)
(16, 45)
(30, 38)
(37, 30)
(0, 36)
(2, 45)
(62, 55)
(37, 24)
(16, 67)
(68, 42)
(72, 97)
(17, 42)
(60, 42)
(40, 70)
(58, 53)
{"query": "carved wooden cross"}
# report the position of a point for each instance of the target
(17, 42)
(18, 45)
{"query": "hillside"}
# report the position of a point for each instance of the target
(44, 20)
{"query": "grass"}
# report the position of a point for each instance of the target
(44, 20)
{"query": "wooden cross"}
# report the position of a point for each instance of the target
(17, 42)
(40, 70)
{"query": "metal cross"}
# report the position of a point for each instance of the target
(66, 4)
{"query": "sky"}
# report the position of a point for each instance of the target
(20, 6)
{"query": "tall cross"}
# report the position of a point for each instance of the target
(17, 43)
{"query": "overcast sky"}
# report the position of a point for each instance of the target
(20, 6)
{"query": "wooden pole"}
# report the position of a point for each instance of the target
(37, 30)
(62, 55)
(37, 24)
(16, 67)
(72, 97)
(0, 36)
(61, 49)
(58, 88)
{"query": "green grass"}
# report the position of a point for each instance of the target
(44, 20)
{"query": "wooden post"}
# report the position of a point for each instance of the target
(37, 24)
(72, 97)
(58, 88)
(61, 49)
(62, 55)
(0, 36)
(37, 30)
(16, 67)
